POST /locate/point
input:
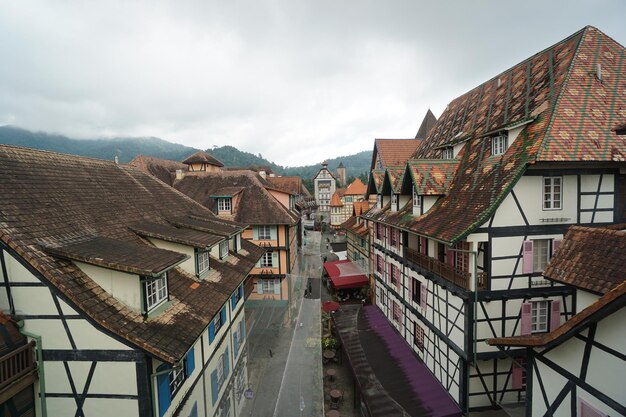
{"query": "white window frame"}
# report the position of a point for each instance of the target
(220, 372)
(268, 286)
(217, 321)
(224, 249)
(224, 204)
(155, 292)
(447, 153)
(417, 201)
(540, 316)
(265, 232)
(267, 260)
(541, 255)
(418, 336)
(499, 144)
(552, 199)
(394, 200)
(202, 259)
(177, 378)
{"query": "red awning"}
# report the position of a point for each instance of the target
(344, 274)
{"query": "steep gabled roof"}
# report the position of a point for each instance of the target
(356, 188)
(51, 199)
(163, 169)
(201, 157)
(375, 183)
(392, 181)
(292, 185)
(393, 152)
(256, 205)
(427, 124)
(432, 177)
(335, 200)
(542, 93)
(591, 258)
(360, 207)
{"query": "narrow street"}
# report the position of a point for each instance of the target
(285, 364)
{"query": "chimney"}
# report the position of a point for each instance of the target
(179, 174)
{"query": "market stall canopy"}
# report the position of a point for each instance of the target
(345, 274)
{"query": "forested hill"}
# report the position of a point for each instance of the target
(127, 148)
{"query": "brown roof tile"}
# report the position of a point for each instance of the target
(163, 169)
(427, 124)
(432, 177)
(356, 188)
(292, 185)
(202, 157)
(185, 236)
(393, 152)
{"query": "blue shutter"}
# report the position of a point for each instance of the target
(194, 410)
(233, 301)
(236, 343)
(191, 362)
(242, 330)
(163, 386)
(277, 286)
(223, 315)
(226, 362)
(259, 286)
(211, 332)
(214, 387)
(241, 291)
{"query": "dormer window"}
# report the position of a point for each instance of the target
(155, 291)
(394, 200)
(224, 249)
(202, 262)
(223, 204)
(447, 153)
(499, 144)
(417, 199)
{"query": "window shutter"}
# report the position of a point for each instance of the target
(233, 302)
(242, 330)
(555, 314)
(226, 364)
(277, 286)
(517, 375)
(449, 256)
(236, 343)
(274, 259)
(273, 233)
(423, 295)
(528, 257)
(424, 246)
(255, 233)
(259, 286)
(555, 245)
(241, 294)
(398, 277)
(223, 315)
(163, 386)
(526, 326)
(211, 332)
(214, 387)
(190, 361)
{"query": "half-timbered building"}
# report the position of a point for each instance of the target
(462, 233)
(577, 368)
(132, 292)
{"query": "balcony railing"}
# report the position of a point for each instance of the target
(16, 364)
(449, 273)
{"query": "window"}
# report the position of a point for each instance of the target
(541, 254)
(447, 153)
(415, 291)
(395, 275)
(265, 233)
(348, 199)
(499, 144)
(177, 377)
(156, 291)
(224, 249)
(397, 312)
(552, 194)
(268, 286)
(418, 336)
(394, 200)
(379, 201)
(539, 316)
(267, 260)
(394, 237)
(379, 229)
(417, 200)
(217, 322)
(223, 204)
(362, 242)
(379, 263)
(202, 259)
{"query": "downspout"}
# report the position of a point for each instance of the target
(40, 368)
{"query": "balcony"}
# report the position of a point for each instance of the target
(445, 271)
(15, 366)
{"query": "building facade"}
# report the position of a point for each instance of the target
(460, 237)
(325, 186)
(341, 205)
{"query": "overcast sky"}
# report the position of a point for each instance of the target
(297, 81)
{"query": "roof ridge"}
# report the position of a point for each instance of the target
(557, 102)
(45, 151)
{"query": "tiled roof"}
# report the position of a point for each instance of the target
(131, 257)
(356, 188)
(163, 169)
(213, 225)
(394, 152)
(352, 226)
(591, 258)
(395, 175)
(376, 179)
(190, 237)
(610, 302)
(292, 185)
(335, 200)
(256, 204)
(202, 157)
(227, 191)
(432, 177)
(544, 90)
(360, 207)
(427, 124)
(49, 199)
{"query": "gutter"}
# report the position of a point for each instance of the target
(40, 368)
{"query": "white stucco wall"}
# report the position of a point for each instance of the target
(123, 286)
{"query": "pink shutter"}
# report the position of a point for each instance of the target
(398, 277)
(449, 256)
(528, 257)
(555, 315)
(555, 245)
(526, 319)
(517, 375)
(423, 295)
(424, 244)
(386, 272)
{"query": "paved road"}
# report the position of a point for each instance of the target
(285, 366)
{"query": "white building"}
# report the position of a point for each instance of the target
(462, 234)
(325, 186)
(132, 292)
